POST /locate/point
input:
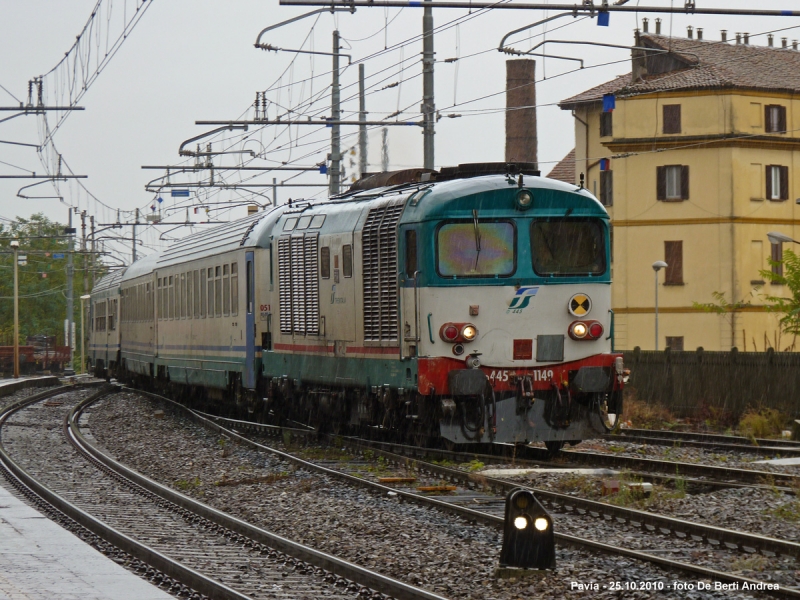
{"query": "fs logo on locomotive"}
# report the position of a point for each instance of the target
(521, 299)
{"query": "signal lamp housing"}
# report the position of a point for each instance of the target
(586, 330)
(524, 200)
(458, 333)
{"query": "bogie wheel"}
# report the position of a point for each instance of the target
(554, 447)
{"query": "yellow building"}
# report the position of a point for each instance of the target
(701, 154)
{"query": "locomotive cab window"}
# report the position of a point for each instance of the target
(317, 222)
(476, 248)
(290, 223)
(567, 247)
(304, 222)
(411, 253)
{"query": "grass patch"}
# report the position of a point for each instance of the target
(761, 423)
(755, 562)
(473, 465)
(188, 484)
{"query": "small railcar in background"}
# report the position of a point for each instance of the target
(471, 304)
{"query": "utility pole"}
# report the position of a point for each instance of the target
(15, 246)
(70, 273)
(428, 108)
(362, 129)
(91, 260)
(274, 192)
(83, 251)
(336, 115)
(385, 150)
(135, 222)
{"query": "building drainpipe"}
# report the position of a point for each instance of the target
(585, 144)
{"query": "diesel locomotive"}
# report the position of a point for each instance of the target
(470, 304)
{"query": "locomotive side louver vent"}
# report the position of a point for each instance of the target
(299, 284)
(379, 254)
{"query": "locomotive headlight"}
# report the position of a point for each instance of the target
(524, 200)
(541, 524)
(579, 330)
(521, 522)
(469, 332)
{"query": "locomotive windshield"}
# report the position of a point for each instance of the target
(476, 249)
(568, 247)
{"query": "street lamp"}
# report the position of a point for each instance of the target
(83, 334)
(657, 266)
(776, 237)
(15, 245)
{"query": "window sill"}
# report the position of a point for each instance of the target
(674, 284)
(673, 200)
(757, 282)
(756, 199)
(777, 199)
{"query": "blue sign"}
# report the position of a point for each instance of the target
(602, 19)
(58, 255)
(180, 193)
(609, 102)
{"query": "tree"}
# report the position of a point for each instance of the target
(787, 306)
(42, 282)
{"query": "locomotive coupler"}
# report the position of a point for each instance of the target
(524, 394)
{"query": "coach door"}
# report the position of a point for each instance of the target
(250, 324)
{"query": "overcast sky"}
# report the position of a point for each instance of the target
(189, 60)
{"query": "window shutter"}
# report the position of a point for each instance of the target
(768, 179)
(661, 183)
(673, 256)
(767, 119)
(782, 119)
(684, 182)
(777, 256)
(784, 183)
(672, 118)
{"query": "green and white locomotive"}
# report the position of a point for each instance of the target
(471, 304)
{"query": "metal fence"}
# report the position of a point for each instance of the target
(690, 384)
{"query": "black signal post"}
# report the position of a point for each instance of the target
(528, 538)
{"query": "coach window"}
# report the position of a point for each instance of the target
(217, 291)
(196, 305)
(171, 298)
(249, 288)
(234, 289)
(411, 253)
(202, 293)
(226, 290)
(183, 295)
(476, 248)
(189, 294)
(210, 294)
(347, 260)
(325, 262)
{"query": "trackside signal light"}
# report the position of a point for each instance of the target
(528, 537)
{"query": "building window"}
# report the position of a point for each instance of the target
(775, 118)
(606, 124)
(673, 256)
(675, 343)
(672, 183)
(777, 182)
(607, 188)
(777, 259)
(672, 118)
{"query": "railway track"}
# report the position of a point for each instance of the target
(480, 499)
(173, 540)
(764, 447)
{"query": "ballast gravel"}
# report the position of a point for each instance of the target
(424, 547)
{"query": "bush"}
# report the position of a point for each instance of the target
(764, 422)
(646, 415)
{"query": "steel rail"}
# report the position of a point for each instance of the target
(648, 521)
(578, 9)
(166, 565)
(713, 445)
(708, 437)
(337, 566)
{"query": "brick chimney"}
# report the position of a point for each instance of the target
(521, 140)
